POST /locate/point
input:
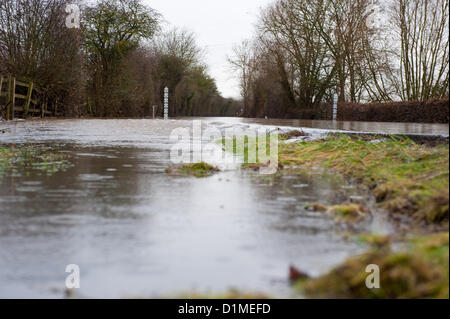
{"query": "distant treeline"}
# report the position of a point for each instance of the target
(116, 64)
(304, 52)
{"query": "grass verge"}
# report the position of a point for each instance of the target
(421, 271)
(409, 180)
(406, 178)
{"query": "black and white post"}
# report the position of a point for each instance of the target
(166, 103)
(335, 107)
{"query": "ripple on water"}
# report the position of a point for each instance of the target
(94, 177)
(300, 186)
(71, 219)
(12, 198)
(28, 189)
(287, 199)
(96, 155)
(32, 183)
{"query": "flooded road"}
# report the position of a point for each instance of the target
(364, 127)
(134, 231)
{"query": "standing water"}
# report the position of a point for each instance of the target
(135, 231)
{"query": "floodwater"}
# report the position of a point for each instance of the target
(363, 127)
(134, 231)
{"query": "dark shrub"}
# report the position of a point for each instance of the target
(432, 111)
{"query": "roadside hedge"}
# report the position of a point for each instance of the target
(431, 111)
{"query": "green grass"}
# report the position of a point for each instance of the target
(406, 178)
(261, 151)
(420, 271)
(343, 213)
(199, 170)
(24, 159)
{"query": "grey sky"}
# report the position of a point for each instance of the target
(218, 24)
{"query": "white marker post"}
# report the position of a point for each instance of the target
(166, 103)
(335, 107)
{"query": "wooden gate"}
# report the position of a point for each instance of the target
(13, 91)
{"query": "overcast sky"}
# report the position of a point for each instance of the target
(217, 24)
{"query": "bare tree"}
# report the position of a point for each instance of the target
(35, 45)
(242, 62)
(422, 26)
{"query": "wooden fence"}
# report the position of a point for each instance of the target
(12, 91)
